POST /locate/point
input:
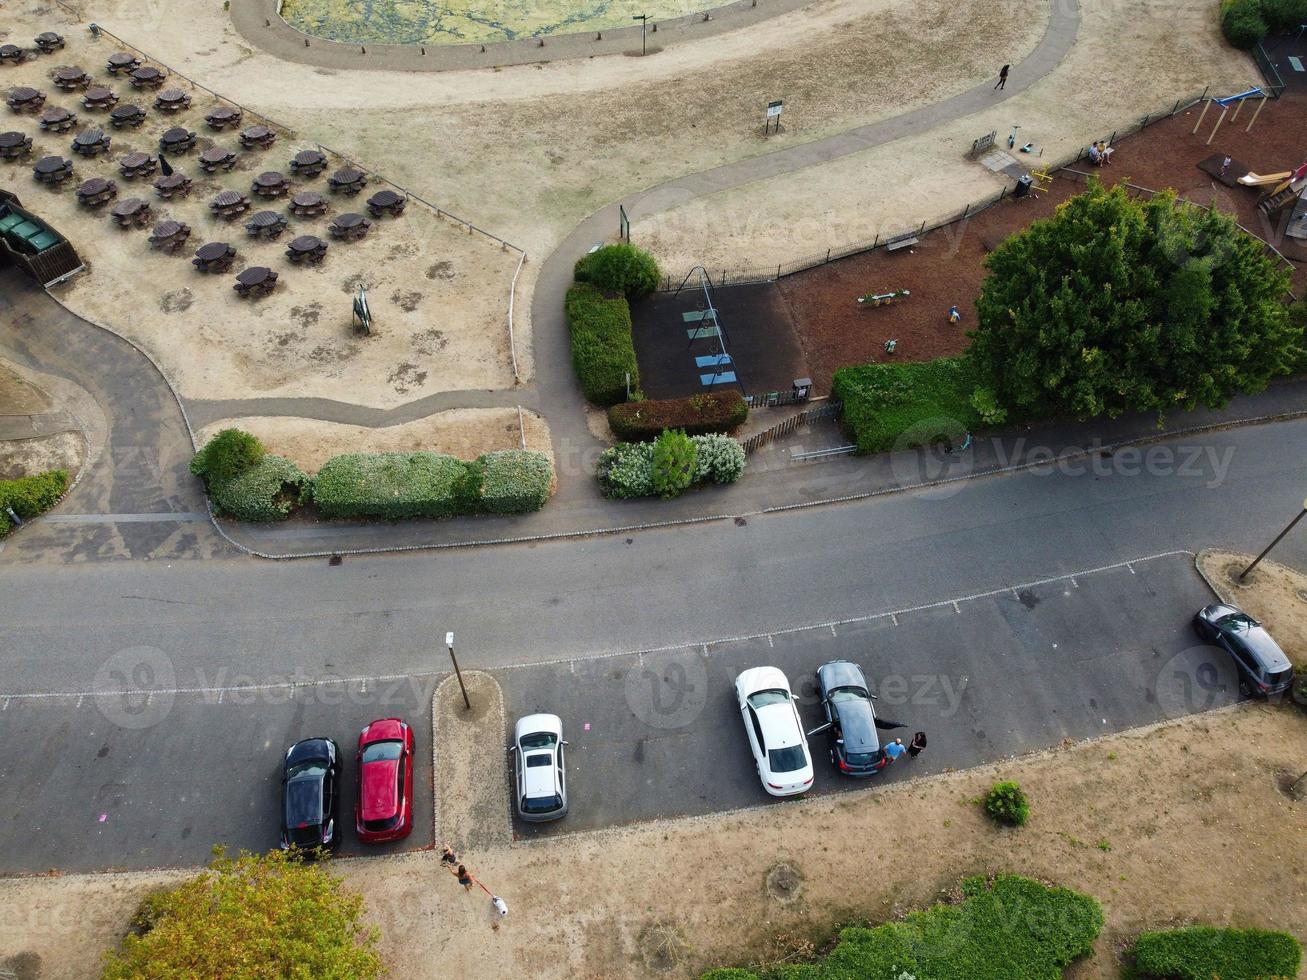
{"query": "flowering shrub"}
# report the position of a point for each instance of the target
(721, 459)
(626, 470)
(266, 491)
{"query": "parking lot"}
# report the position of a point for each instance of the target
(659, 734)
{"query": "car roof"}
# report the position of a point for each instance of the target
(1264, 648)
(382, 730)
(858, 726)
(379, 789)
(780, 728)
(530, 724)
(761, 679)
(539, 780)
(303, 800)
(840, 673)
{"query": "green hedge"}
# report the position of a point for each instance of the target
(1012, 927)
(914, 403)
(602, 350)
(1245, 22)
(1203, 952)
(1298, 317)
(718, 411)
(270, 490)
(621, 269)
(227, 455)
(515, 481)
(30, 496)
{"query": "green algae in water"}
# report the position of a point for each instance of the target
(471, 21)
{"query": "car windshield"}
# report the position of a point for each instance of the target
(764, 698)
(538, 759)
(1237, 622)
(541, 804)
(786, 760)
(306, 769)
(863, 758)
(848, 694)
(1280, 676)
(383, 752)
(538, 740)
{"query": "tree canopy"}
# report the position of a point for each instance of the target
(1116, 305)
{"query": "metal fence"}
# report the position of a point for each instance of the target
(777, 399)
(1274, 83)
(829, 410)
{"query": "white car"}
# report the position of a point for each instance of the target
(771, 722)
(538, 773)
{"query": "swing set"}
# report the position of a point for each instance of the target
(1237, 101)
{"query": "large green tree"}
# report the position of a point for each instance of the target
(1116, 305)
(255, 916)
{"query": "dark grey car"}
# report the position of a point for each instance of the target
(850, 719)
(1263, 668)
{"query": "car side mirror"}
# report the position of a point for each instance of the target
(872, 696)
(564, 742)
(512, 748)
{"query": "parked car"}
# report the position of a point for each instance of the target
(850, 719)
(384, 809)
(1263, 668)
(771, 723)
(310, 795)
(539, 774)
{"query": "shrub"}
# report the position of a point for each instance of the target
(621, 269)
(227, 455)
(718, 411)
(1203, 952)
(30, 496)
(267, 491)
(913, 403)
(675, 462)
(721, 459)
(515, 481)
(268, 915)
(397, 485)
(1007, 804)
(985, 402)
(626, 470)
(1298, 321)
(1243, 24)
(603, 353)
(1284, 15)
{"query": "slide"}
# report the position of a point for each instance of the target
(1258, 180)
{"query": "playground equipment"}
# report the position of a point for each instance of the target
(1251, 179)
(1237, 100)
(362, 318)
(708, 326)
(1043, 181)
(882, 299)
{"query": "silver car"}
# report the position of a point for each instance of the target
(539, 778)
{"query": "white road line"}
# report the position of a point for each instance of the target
(175, 517)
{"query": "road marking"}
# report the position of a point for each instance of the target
(956, 608)
(177, 517)
(832, 630)
(770, 642)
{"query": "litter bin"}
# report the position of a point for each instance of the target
(1023, 186)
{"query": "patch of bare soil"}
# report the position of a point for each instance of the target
(470, 752)
(1274, 594)
(20, 397)
(27, 457)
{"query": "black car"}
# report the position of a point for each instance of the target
(310, 795)
(1263, 667)
(850, 719)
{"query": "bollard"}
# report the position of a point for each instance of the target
(306, 42)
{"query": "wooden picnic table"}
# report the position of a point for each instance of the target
(49, 42)
(91, 142)
(71, 78)
(223, 116)
(214, 257)
(132, 212)
(56, 119)
(347, 180)
(122, 62)
(270, 184)
(266, 224)
(172, 185)
(138, 164)
(12, 54)
(256, 281)
(349, 227)
(172, 100)
(179, 139)
(126, 115)
(14, 144)
(52, 170)
(147, 76)
(25, 99)
(99, 97)
(169, 236)
(229, 205)
(96, 191)
(308, 204)
(257, 137)
(306, 248)
(217, 158)
(308, 164)
(386, 202)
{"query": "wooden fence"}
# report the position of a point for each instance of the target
(828, 410)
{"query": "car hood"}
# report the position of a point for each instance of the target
(858, 727)
(761, 679)
(379, 789)
(840, 673)
(383, 730)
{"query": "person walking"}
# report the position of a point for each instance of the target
(894, 749)
(917, 744)
(464, 877)
(1002, 78)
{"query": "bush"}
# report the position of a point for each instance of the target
(621, 269)
(1243, 24)
(985, 402)
(626, 470)
(1284, 15)
(721, 459)
(603, 353)
(1010, 927)
(267, 491)
(675, 462)
(1298, 321)
(718, 411)
(397, 485)
(227, 455)
(30, 496)
(1203, 952)
(1007, 804)
(268, 915)
(515, 481)
(899, 406)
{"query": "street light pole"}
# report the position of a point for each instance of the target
(449, 642)
(1278, 537)
(644, 23)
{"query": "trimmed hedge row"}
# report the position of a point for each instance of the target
(913, 403)
(1203, 952)
(267, 491)
(30, 496)
(718, 411)
(603, 353)
(626, 470)
(619, 269)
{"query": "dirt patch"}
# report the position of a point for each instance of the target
(27, 457)
(663, 947)
(784, 883)
(19, 396)
(1273, 594)
(471, 749)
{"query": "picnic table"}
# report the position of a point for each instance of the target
(229, 205)
(217, 158)
(386, 202)
(307, 248)
(132, 212)
(308, 164)
(172, 100)
(255, 281)
(270, 184)
(122, 62)
(223, 116)
(257, 137)
(267, 225)
(349, 227)
(147, 76)
(91, 142)
(99, 97)
(214, 257)
(138, 164)
(14, 144)
(12, 54)
(172, 185)
(56, 119)
(25, 99)
(126, 115)
(96, 191)
(308, 204)
(48, 42)
(70, 78)
(52, 170)
(347, 180)
(179, 139)
(169, 236)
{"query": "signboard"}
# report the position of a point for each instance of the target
(774, 108)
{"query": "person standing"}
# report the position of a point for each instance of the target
(894, 749)
(1225, 166)
(917, 744)
(1002, 78)
(464, 877)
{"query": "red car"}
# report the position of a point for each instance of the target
(384, 810)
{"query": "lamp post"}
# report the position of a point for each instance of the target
(449, 642)
(1278, 537)
(644, 23)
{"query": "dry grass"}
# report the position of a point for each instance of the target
(1274, 594)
